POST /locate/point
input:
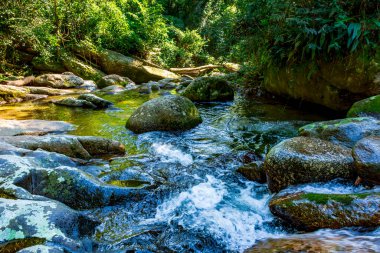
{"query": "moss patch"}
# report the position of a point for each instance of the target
(128, 183)
(19, 244)
(345, 199)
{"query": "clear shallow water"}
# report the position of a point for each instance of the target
(198, 203)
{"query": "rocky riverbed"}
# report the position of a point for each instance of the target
(230, 175)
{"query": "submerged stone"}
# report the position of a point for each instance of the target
(312, 211)
(167, 113)
(343, 131)
(366, 154)
(100, 103)
(74, 102)
(305, 160)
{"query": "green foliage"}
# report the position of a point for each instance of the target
(131, 27)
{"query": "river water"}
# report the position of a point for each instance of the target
(197, 201)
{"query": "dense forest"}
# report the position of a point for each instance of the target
(180, 33)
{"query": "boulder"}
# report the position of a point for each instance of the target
(82, 69)
(48, 66)
(344, 132)
(89, 85)
(205, 89)
(74, 102)
(312, 211)
(74, 146)
(331, 84)
(305, 160)
(33, 127)
(50, 91)
(110, 80)
(41, 221)
(253, 171)
(77, 189)
(100, 103)
(58, 81)
(331, 242)
(113, 62)
(369, 106)
(12, 94)
(165, 113)
(366, 154)
(114, 89)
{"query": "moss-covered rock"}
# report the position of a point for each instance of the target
(305, 160)
(48, 66)
(74, 102)
(342, 131)
(110, 80)
(100, 103)
(312, 211)
(369, 106)
(206, 89)
(333, 84)
(166, 113)
(113, 62)
(366, 154)
(82, 69)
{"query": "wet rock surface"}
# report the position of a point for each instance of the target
(83, 147)
(110, 80)
(344, 132)
(305, 160)
(312, 211)
(167, 113)
(367, 159)
(33, 127)
(58, 81)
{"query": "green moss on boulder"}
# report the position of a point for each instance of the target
(205, 89)
(369, 106)
(167, 113)
(312, 211)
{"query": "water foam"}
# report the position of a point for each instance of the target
(169, 153)
(208, 208)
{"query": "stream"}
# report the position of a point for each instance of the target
(197, 201)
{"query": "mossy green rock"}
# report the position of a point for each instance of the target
(344, 132)
(253, 171)
(369, 106)
(312, 211)
(366, 154)
(305, 160)
(167, 113)
(82, 69)
(205, 89)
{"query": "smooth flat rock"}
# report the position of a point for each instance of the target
(33, 127)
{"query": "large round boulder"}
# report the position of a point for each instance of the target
(167, 113)
(369, 106)
(206, 89)
(305, 160)
(344, 132)
(312, 211)
(367, 159)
